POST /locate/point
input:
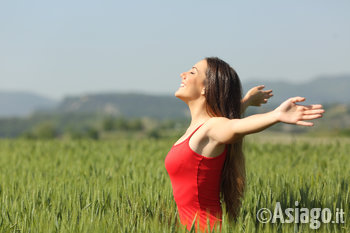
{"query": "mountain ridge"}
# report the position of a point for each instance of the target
(323, 89)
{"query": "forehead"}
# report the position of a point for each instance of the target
(201, 65)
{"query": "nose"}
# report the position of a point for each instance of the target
(182, 75)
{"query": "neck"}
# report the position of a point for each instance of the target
(198, 111)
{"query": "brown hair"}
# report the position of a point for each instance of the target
(223, 93)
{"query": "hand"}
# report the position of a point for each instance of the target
(256, 96)
(292, 113)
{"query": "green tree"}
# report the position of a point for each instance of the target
(121, 124)
(135, 124)
(108, 124)
(44, 130)
(92, 133)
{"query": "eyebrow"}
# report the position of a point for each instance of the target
(195, 68)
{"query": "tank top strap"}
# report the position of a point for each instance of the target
(197, 129)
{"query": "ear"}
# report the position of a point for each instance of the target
(203, 91)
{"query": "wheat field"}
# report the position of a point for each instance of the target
(122, 185)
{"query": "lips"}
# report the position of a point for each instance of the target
(182, 85)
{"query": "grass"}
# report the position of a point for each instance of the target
(122, 186)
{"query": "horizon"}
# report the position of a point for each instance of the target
(143, 92)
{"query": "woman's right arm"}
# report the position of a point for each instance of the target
(227, 131)
(256, 96)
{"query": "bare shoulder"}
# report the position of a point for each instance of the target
(202, 132)
(203, 144)
(213, 124)
(216, 121)
(220, 129)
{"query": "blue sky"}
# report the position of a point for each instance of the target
(59, 48)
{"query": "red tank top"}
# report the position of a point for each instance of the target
(195, 181)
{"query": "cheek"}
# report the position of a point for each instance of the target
(195, 82)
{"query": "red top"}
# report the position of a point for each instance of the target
(195, 181)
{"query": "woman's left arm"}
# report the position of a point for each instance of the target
(255, 97)
(227, 131)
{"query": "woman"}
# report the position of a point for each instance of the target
(208, 159)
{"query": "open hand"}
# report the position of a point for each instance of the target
(256, 96)
(292, 113)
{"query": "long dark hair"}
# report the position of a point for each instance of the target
(223, 93)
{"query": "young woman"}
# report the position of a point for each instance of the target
(208, 159)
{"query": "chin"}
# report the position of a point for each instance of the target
(179, 95)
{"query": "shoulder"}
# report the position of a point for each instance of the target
(213, 124)
(216, 121)
(220, 129)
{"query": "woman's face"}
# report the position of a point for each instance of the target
(192, 85)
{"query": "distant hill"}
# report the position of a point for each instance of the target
(129, 105)
(89, 113)
(324, 90)
(18, 103)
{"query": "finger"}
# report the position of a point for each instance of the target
(268, 95)
(304, 123)
(297, 99)
(265, 101)
(311, 117)
(267, 91)
(314, 111)
(260, 87)
(314, 106)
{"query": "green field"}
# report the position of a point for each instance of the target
(122, 186)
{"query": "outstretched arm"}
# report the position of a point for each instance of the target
(227, 131)
(255, 97)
